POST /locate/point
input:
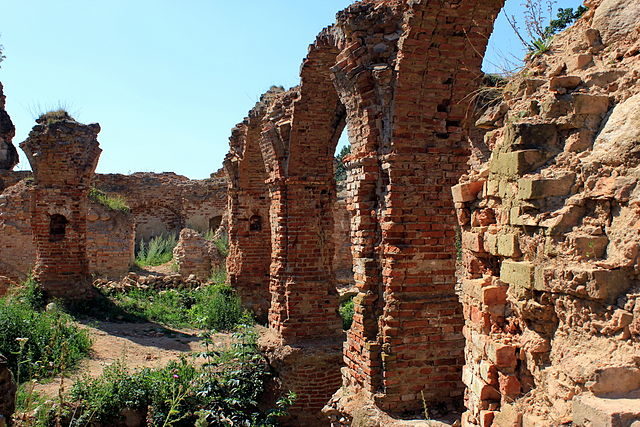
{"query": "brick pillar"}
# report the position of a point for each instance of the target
(248, 203)
(300, 135)
(406, 86)
(63, 155)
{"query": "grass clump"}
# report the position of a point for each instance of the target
(39, 343)
(111, 201)
(157, 251)
(224, 390)
(346, 311)
(215, 307)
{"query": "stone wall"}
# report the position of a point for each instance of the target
(550, 236)
(166, 203)
(196, 257)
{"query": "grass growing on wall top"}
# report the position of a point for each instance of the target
(111, 201)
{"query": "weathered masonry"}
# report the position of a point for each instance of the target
(63, 155)
(398, 74)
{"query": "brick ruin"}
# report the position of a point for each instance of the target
(63, 155)
(163, 203)
(547, 220)
(248, 206)
(495, 248)
(551, 232)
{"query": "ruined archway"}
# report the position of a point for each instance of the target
(401, 72)
(248, 206)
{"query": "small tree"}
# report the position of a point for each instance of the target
(538, 36)
(2, 57)
(341, 169)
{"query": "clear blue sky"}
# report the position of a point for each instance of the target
(166, 79)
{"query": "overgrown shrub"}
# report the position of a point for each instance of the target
(157, 251)
(219, 308)
(215, 306)
(225, 390)
(346, 313)
(42, 343)
(114, 202)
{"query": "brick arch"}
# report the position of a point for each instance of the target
(154, 219)
(247, 197)
(399, 73)
(406, 342)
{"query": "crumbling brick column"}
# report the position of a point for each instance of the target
(63, 155)
(404, 77)
(8, 152)
(300, 135)
(248, 206)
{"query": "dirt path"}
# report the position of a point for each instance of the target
(139, 345)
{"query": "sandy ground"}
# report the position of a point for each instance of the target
(139, 345)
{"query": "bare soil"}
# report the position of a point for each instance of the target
(138, 345)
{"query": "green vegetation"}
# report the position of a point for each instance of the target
(346, 313)
(157, 251)
(222, 245)
(215, 307)
(224, 390)
(114, 202)
(2, 57)
(341, 168)
(38, 343)
(538, 36)
(54, 116)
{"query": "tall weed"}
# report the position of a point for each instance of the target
(157, 251)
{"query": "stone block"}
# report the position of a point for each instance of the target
(491, 188)
(589, 246)
(508, 245)
(580, 62)
(472, 241)
(590, 104)
(589, 410)
(541, 188)
(508, 416)
(467, 191)
(564, 82)
(517, 162)
(491, 243)
(518, 273)
(502, 355)
(524, 136)
(494, 295)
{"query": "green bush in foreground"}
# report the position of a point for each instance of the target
(41, 343)
(157, 251)
(225, 390)
(216, 307)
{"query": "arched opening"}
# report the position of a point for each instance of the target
(214, 223)
(57, 227)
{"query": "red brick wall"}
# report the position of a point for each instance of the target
(63, 155)
(248, 205)
(166, 202)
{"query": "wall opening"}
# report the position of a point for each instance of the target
(255, 223)
(214, 223)
(57, 227)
